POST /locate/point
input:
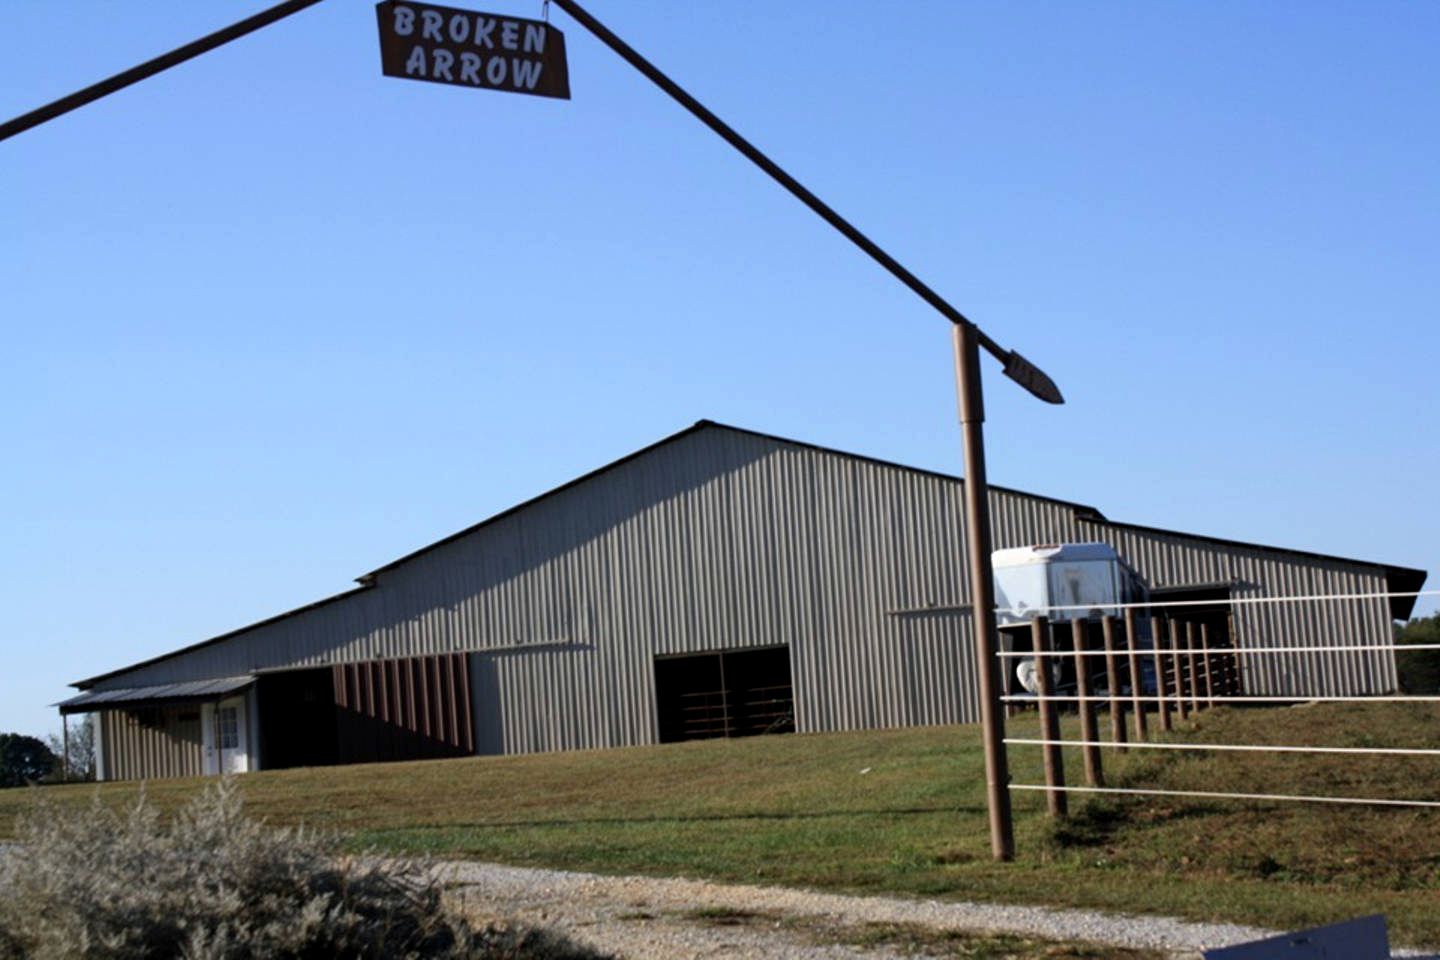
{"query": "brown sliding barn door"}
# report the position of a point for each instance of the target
(410, 709)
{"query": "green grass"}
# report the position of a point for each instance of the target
(798, 810)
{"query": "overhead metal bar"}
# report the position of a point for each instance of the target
(1016, 367)
(151, 67)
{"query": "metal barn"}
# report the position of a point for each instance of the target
(719, 582)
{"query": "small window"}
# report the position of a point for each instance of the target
(149, 717)
(227, 728)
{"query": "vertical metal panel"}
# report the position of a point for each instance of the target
(1167, 559)
(152, 743)
(722, 539)
(402, 709)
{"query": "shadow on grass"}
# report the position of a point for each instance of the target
(1094, 823)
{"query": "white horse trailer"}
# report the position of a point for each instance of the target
(1064, 582)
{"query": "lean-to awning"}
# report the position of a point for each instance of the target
(163, 693)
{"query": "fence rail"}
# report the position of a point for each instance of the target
(1162, 665)
(1222, 795)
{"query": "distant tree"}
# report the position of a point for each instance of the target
(81, 754)
(1419, 669)
(24, 760)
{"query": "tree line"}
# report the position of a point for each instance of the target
(1419, 669)
(25, 760)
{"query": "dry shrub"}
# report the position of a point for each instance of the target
(213, 884)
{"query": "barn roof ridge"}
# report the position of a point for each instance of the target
(696, 427)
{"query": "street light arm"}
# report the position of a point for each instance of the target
(753, 153)
(151, 67)
(1016, 367)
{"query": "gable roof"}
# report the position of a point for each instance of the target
(89, 682)
(1399, 579)
(694, 428)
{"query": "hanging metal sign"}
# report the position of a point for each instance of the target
(422, 41)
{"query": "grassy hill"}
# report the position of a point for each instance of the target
(902, 812)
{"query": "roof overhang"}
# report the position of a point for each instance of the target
(129, 697)
(1403, 580)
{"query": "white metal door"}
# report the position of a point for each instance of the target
(211, 759)
(225, 736)
(230, 735)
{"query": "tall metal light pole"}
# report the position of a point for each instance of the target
(969, 339)
(978, 546)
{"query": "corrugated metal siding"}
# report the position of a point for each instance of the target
(722, 539)
(146, 744)
(1169, 560)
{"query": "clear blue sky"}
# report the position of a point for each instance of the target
(272, 320)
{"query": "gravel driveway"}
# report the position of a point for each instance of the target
(648, 918)
(641, 918)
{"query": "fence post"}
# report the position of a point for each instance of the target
(1237, 661)
(1054, 754)
(1193, 678)
(1207, 664)
(1180, 705)
(1112, 677)
(1133, 656)
(1091, 751)
(1162, 705)
(1234, 682)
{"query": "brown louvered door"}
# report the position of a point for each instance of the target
(412, 709)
